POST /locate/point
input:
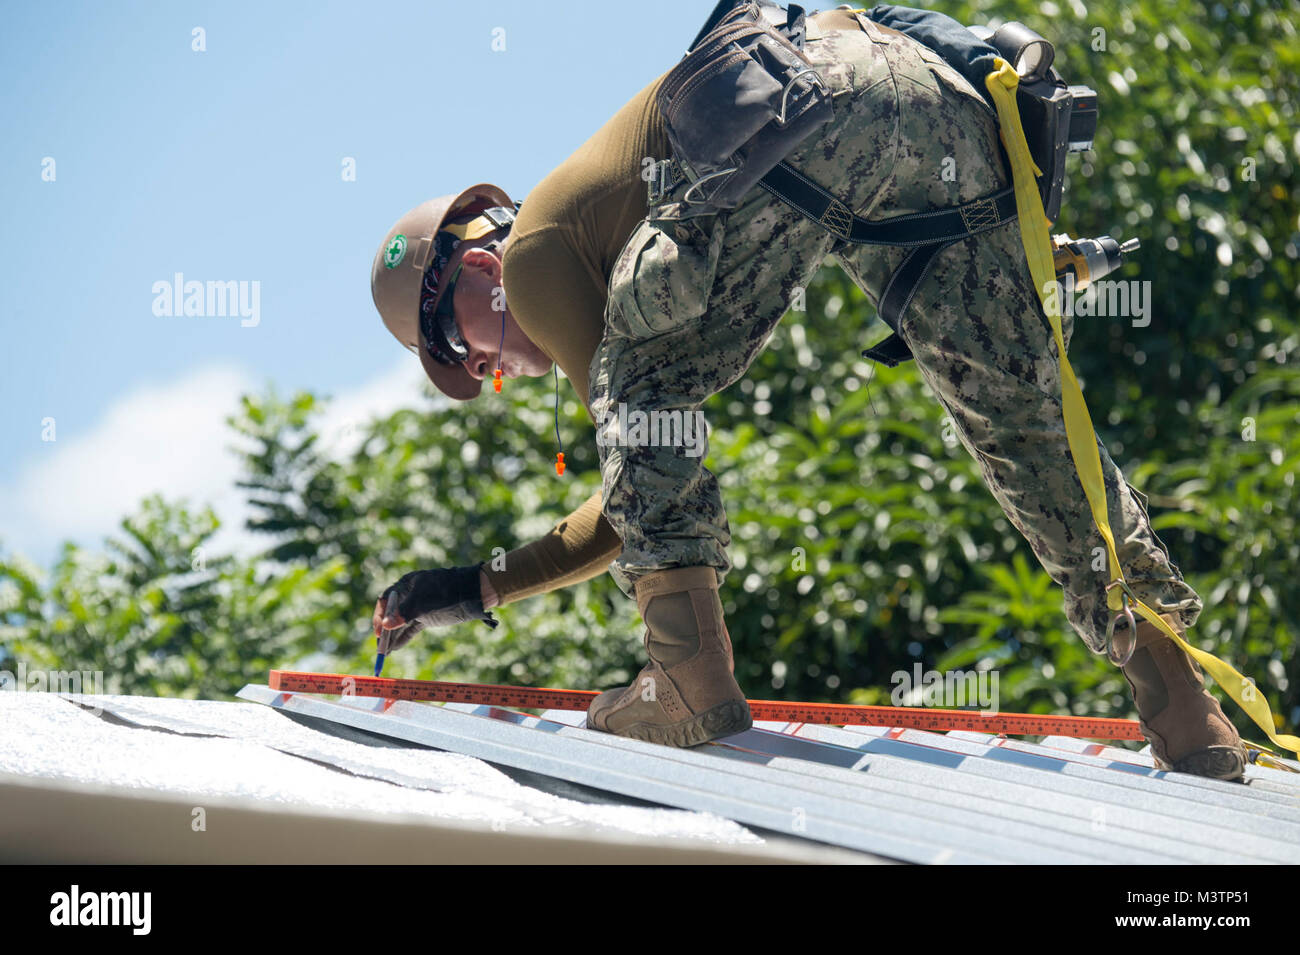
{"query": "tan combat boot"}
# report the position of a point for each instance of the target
(1183, 723)
(686, 695)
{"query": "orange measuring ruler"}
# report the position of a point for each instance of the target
(837, 714)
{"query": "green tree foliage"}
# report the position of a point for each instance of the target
(157, 614)
(863, 538)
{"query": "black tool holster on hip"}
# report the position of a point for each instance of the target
(742, 99)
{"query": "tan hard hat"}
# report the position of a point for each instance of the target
(397, 275)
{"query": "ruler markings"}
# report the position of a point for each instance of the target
(835, 714)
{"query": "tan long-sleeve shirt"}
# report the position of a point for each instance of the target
(555, 270)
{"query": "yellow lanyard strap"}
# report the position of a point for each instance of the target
(1002, 83)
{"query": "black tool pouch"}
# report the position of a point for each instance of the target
(740, 101)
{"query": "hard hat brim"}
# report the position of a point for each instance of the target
(452, 380)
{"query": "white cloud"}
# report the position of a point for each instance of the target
(169, 438)
(347, 413)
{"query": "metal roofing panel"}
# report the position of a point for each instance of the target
(774, 798)
(988, 807)
(1121, 832)
(917, 780)
(832, 766)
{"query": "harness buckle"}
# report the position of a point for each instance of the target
(663, 180)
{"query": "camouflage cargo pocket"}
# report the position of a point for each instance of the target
(663, 277)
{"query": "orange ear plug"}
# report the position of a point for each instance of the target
(559, 462)
(496, 380)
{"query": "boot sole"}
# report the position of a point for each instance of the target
(725, 719)
(1217, 762)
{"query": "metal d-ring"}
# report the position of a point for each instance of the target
(1127, 611)
(686, 197)
(785, 93)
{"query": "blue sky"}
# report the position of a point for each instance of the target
(226, 165)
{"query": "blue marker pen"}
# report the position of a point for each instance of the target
(388, 611)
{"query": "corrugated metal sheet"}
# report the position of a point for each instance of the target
(908, 794)
(1209, 822)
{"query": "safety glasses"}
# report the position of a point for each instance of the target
(442, 339)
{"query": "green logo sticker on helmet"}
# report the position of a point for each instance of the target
(395, 252)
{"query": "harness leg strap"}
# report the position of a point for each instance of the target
(898, 293)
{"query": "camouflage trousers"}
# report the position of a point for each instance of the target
(693, 299)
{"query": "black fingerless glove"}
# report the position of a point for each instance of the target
(434, 598)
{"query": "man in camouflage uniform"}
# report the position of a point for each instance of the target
(690, 301)
(693, 300)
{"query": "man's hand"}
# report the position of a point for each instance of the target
(427, 598)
